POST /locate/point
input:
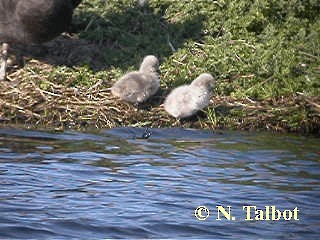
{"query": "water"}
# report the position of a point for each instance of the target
(112, 184)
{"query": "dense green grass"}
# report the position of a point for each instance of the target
(257, 49)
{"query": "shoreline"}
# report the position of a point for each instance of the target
(24, 101)
(263, 56)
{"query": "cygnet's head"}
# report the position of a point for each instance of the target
(142, 3)
(149, 64)
(205, 80)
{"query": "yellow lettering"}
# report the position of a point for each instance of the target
(267, 213)
(274, 211)
(248, 215)
(259, 215)
(285, 217)
(295, 214)
(226, 214)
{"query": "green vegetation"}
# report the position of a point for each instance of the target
(264, 54)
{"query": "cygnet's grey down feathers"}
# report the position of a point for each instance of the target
(138, 86)
(186, 100)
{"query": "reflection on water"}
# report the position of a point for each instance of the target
(113, 184)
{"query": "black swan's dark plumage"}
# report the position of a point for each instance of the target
(34, 21)
(75, 3)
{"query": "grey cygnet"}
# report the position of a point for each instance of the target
(138, 86)
(186, 100)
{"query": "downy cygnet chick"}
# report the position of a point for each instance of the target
(186, 100)
(138, 86)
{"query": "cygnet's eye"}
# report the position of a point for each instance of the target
(209, 85)
(156, 64)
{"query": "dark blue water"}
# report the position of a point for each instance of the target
(111, 184)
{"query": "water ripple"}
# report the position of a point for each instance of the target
(113, 185)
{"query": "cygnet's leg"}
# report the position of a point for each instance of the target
(4, 58)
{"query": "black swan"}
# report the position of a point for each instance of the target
(186, 100)
(32, 21)
(138, 86)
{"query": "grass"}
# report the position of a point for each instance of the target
(264, 55)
